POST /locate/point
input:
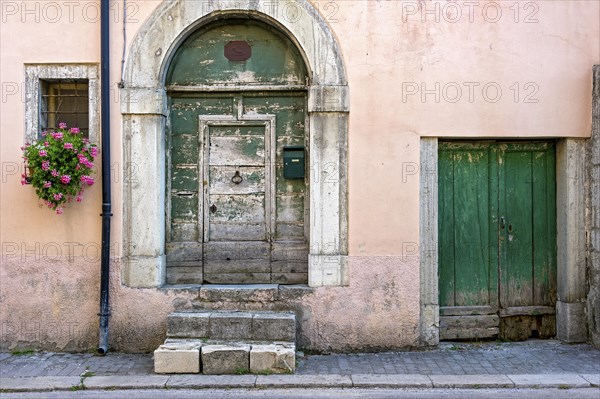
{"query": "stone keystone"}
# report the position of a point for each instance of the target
(275, 358)
(225, 359)
(178, 357)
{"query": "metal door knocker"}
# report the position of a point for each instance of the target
(237, 179)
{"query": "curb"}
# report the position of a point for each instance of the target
(199, 381)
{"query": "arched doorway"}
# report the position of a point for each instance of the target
(236, 181)
(145, 113)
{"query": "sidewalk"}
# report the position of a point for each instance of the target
(533, 363)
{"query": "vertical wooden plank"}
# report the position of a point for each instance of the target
(551, 216)
(540, 277)
(544, 238)
(519, 226)
(446, 226)
(502, 235)
(494, 226)
(471, 227)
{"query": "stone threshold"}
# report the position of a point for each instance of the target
(242, 292)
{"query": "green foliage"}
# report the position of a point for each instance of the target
(59, 166)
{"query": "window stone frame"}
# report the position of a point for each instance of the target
(34, 73)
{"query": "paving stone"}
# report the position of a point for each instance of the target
(211, 381)
(304, 381)
(225, 359)
(471, 381)
(548, 381)
(593, 379)
(38, 383)
(188, 325)
(279, 359)
(391, 381)
(274, 327)
(126, 382)
(177, 357)
(231, 325)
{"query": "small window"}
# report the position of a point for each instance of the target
(64, 101)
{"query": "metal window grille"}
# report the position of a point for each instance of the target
(64, 101)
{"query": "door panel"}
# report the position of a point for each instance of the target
(497, 229)
(464, 215)
(237, 198)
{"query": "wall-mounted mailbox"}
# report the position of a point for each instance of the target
(293, 162)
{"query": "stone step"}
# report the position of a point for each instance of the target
(193, 356)
(233, 325)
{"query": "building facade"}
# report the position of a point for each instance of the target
(395, 173)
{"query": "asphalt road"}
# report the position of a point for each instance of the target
(581, 393)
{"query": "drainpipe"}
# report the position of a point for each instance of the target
(106, 191)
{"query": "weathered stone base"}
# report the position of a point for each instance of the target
(571, 322)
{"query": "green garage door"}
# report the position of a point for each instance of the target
(497, 240)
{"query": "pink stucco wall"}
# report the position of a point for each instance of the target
(392, 52)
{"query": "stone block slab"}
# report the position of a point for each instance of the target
(238, 293)
(303, 381)
(391, 381)
(199, 381)
(126, 382)
(177, 357)
(471, 381)
(46, 383)
(231, 325)
(188, 325)
(549, 381)
(274, 327)
(278, 359)
(225, 359)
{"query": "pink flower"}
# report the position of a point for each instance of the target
(23, 181)
(79, 198)
(87, 179)
(46, 144)
(43, 153)
(62, 125)
(59, 211)
(57, 135)
(94, 151)
(74, 130)
(77, 167)
(58, 196)
(47, 184)
(68, 146)
(65, 179)
(44, 134)
(45, 165)
(55, 173)
(49, 204)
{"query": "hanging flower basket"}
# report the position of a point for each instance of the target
(59, 166)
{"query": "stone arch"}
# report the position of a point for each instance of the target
(143, 106)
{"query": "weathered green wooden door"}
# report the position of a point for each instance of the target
(237, 228)
(237, 98)
(497, 240)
